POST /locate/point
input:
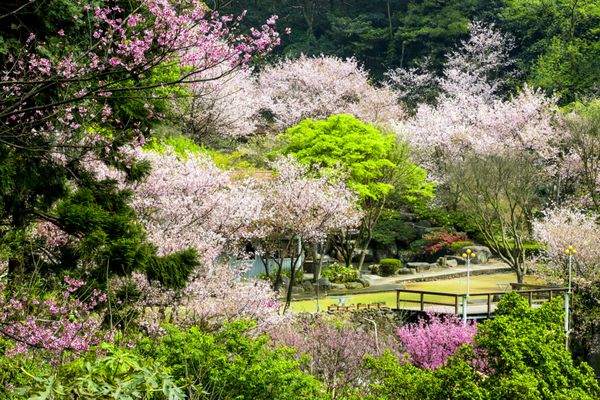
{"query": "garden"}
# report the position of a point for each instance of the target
(185, 184)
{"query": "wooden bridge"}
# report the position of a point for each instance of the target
(479, 305)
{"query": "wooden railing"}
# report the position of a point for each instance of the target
(475, 301)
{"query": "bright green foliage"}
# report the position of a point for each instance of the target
(526, 350)
(232, 365)
(343, 141)
(389, 266)
(338, 273)
(120, 374)
(525, 357)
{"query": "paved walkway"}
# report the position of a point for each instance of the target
(388, 283)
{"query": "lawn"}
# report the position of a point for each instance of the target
(480, 283)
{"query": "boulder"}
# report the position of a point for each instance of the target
(459, 260)
(406, 271)
(416, 265)
(285, 281)
(324, 283)
(483, 253)
(354, 285)
(338, 286)
(297, 289)
(307, 285)
(451, 263)
(365, 282)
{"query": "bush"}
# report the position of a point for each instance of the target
(231, 364)
(456, 247)
(389, 266)
(440, 241)
(338, 273)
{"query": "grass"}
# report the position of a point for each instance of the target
(478, 284)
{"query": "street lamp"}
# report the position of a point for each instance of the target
(467, 255)
(570, 252)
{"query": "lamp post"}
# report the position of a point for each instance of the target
(570, 252)
(467, 255)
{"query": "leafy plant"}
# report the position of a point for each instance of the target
(389, 266)
(338, 273)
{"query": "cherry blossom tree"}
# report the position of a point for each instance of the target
(318, 87)
(209, 300)
(302, 207)
(470, 114)
(188, 202)
(95, 87)
(559, 228)
(225, 107)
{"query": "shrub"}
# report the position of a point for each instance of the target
(338, 273)
(429, 343)
(232, 364)
(456, 247)
(389, 266)
(439, 241)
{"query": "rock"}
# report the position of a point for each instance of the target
(354, 285)
(324, 283)
(285, 281)
(483, 253)
(406, 271)
(451, 263)
(457, 259)
(375, 269)
(424, 268)
(297, 289)
(365, 282)
(416, 265)
(338, 286)
(307, 285)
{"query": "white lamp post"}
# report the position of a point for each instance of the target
(467, 255)
(570, 252)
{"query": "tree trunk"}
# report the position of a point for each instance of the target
(363, 252)
(288, 296)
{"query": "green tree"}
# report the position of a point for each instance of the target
(374, 163)
(524, 355)
(499, 195)
(558, 43)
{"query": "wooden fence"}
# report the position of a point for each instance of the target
(478, 303)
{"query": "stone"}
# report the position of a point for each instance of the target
(297, 289)
(451, 263)
(416, 265)
(324, 283)
(457, 259)
(338, 286)
(406, 271)
(483, 253)
(285, 281)
(364, 282)
(426, 267)
(354, 285)
(307, 285)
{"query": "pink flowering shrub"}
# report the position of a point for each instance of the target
(52, 326)
(429, 342)
(336, 350)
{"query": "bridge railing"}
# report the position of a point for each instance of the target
(453, 301)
